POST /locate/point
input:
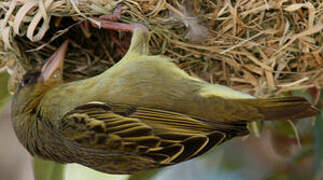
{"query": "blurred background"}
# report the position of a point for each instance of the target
(276, 154)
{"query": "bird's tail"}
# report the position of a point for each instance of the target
(282, 108)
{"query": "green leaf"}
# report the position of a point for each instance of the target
(318, 147)
(48, 170)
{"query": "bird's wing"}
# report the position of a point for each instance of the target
(164, 136)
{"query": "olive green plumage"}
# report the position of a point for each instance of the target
(142, 113)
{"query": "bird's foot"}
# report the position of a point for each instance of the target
(140, 32)
(119, 26)
(115, 15)
(108, 22)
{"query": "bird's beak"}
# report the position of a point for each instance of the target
(53, 68)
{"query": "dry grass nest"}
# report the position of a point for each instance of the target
(263, 47)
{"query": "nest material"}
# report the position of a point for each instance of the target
(258, 46)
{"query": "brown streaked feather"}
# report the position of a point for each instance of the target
(162, 136)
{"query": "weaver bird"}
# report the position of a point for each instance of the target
(142, 113)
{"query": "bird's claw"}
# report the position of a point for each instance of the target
(108, 22)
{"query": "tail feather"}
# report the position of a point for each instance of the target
(283, 108)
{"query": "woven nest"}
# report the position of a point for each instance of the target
(263, 47)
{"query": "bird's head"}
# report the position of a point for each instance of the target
(35, 84)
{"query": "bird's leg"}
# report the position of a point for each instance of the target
(139, 42)
(115, 15)
(119, 26)
(108, 22)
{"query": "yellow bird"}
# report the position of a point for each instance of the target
(142, 113)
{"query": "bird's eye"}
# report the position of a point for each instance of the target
(25, 82)
(29, 78)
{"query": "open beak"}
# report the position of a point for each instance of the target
(53, 68)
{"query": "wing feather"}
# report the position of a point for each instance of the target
(163, 136)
